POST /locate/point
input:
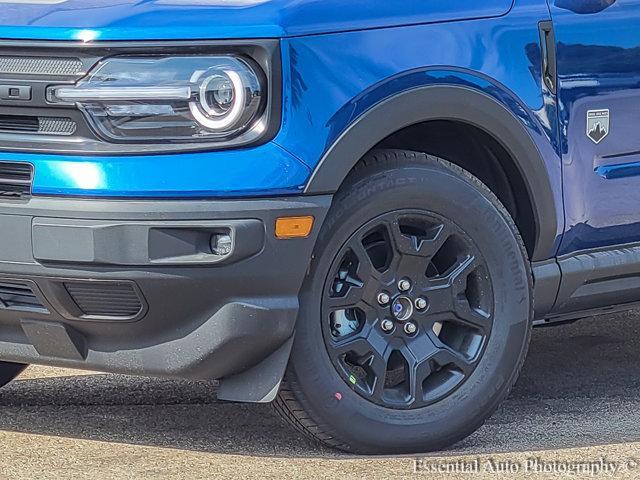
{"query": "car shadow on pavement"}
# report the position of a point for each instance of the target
(579, 387)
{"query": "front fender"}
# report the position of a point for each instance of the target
(445, 102)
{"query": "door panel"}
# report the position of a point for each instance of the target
(598, 64)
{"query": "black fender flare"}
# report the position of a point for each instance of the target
(445, 102)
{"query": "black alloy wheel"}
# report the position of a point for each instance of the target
(407, 309)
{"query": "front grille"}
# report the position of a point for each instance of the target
(18, 123)
(56, 126)
(45, 66)
(31, 123)
(16, 296)
(38, 125)
(101, 299)
(15, 179)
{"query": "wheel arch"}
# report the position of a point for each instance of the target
(458, 103)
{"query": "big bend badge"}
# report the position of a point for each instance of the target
(598, 124)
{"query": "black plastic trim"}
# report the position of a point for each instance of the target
(548, 55)
(200, 320)
(586, 283)
(16, 180)
(136, 243)
(445, 102)
(37, 305)
(546, 276)
(64, 303)
(164, 210)
(599, 278)
(85, 141)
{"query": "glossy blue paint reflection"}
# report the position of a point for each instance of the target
(267, 170)
(621, 170)
(584, 6)
(599, 68)
(161, 19)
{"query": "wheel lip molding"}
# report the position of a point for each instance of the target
(445, 102)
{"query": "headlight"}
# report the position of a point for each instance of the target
(178, 98)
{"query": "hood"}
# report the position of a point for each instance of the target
(89, 20)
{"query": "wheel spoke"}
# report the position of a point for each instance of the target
(353, 298)
(378, 366)
(414, 245)
(446, 356)
(418, 353)
(365, 269)
(440, 301)
(356, 284)
(401, 243)
(429, 247)
(412, 254)
(448, 299)
(471, 316)
(463, 311)
(371, 350)
(356, 343)
(417, 375)
(456, 277)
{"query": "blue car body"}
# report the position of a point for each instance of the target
(482, 45)
(343, 61)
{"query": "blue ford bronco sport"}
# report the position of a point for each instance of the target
(355, 210)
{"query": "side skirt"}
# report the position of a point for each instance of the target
(587, 283)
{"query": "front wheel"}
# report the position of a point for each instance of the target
(416, 314)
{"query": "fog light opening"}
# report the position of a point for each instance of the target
(221, 244)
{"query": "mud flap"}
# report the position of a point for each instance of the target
(260, 383)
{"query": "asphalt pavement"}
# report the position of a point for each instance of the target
(574, 413)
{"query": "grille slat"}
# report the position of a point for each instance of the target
(15, 179)
(19, 297)
(105, 299)
(18, 123)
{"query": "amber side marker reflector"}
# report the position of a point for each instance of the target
(294, 227)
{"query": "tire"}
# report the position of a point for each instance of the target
(343, 400)
(9, 371)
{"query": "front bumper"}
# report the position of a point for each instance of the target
(133, 287)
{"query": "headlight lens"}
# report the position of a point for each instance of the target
(178, 98)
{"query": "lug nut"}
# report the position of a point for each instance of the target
(410, 328)
(387, 325)
(383, 298)
(421, 303)
(404, 285)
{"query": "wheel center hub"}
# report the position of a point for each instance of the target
(402, 308)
